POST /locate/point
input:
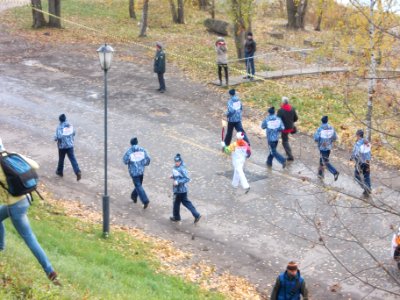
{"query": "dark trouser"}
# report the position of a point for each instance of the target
(285, 144)
(161, 81)
(61, 157)
(182, 198)
(138, 190)
(220, 66)
(250, 69)
(365, 170)
(239, 128)
(274, 153)
(324, 161)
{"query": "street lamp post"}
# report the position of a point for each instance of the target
(105, 54)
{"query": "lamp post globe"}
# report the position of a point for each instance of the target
(105, 55)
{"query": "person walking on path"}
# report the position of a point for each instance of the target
(288, 115)
(249, 52)
(273, 125)
(137, 159)
(290, 284)
(240, 151)
(16, 208)
(395, 253)
(325, 136)
(159, 66)
(362, 156)
(65, 134)
(234, 116)
(181, 178)
(222, 59)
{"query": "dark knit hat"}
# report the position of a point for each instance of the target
(360, 133)
(324, 119)
(62, 118)
(177, 157)
(250, 33)
(271, 110)
(134, 141)
(232, 92)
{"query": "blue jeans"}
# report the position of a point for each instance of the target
(138, 190)
(324, 161)
(17, 213)
(61, 157)
(365, 170)
(229, 130)
(274, 153)
(250, 69)
(161, 81)
(182, 198)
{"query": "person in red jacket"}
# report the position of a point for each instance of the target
(289, 116)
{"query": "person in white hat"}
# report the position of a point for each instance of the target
(240, 151)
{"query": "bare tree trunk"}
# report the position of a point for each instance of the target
(301, 14)
(132, 13)
(144, 18)
(321, 6)
(239, 28)
(181, 12)
(203, 4)
(212, 11)
(282, 8)
(54, 13)
(291, 13)
(37, 16)
(173, 11)
(372, 69)
(296, 11)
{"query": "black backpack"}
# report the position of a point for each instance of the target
(21, 178)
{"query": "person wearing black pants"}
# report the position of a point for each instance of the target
(222, 59)
(159, 66)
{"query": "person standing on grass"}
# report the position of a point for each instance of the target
(137, 159)
(240, 152)
(290, 284)
(65, 134)
(222, 59)
(249, 52)
(288, 115)
(16, 208)
(234, 116)
(159, 66)
(325, 136)
(273, 125)
(180, 179)
(362, 156)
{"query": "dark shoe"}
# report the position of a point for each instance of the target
(196, 220)
(53, 277)
(162, 91)
(159, 89)
(59, 174)
(78, 176)
(290, 159)
(321, 176)
(247, 190)
(175, 220)
(268, 165)
(284, 164)
(246, 77)
(134, 199)
(336, 176)
(146, 205)
(251, 78)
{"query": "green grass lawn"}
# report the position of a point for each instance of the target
(89, 266)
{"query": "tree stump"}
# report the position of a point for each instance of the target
(217, 26)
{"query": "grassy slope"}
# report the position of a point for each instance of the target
(90, 267)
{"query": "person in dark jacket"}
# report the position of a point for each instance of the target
(65, 134)
(159, 66)
(181, 178)
(137, 159)
(289, 116)
(290, 285)
(249, 51)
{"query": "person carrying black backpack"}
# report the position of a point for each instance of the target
(16, 206)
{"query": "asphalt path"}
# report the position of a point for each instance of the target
(252, 235)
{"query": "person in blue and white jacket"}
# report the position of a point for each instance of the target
(137, 159)
(273, 126)
(325, 136)
(180, 179)
(65, 134)
(234, 116)
(362, 156)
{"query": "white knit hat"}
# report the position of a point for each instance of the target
(2, 146)
(285, 100)
(239, 135)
